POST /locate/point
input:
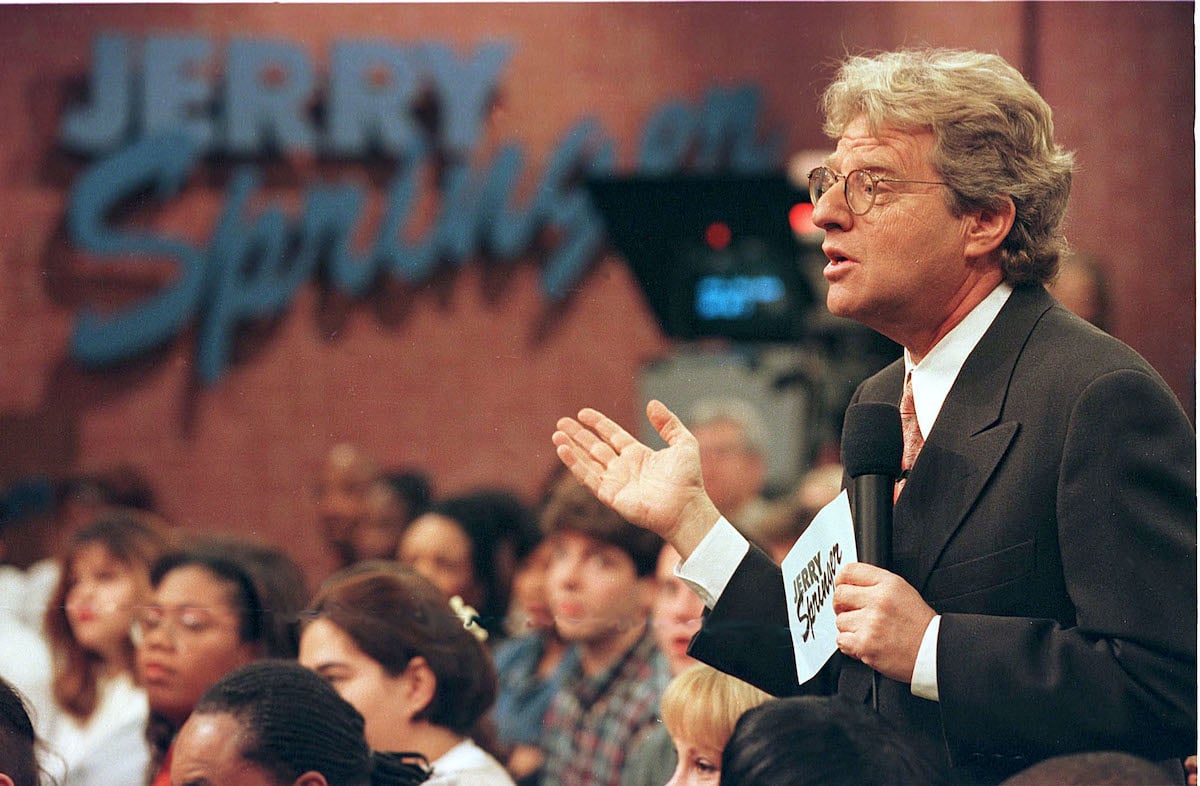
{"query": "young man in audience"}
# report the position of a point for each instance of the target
(601, 587)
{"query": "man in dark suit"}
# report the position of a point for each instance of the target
(1042, 592)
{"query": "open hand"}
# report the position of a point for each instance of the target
(660, 490)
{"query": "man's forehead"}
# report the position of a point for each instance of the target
(883, 146)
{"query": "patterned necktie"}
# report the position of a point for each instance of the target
(913, 441)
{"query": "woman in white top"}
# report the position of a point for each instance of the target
(387, 640)
(94, 730)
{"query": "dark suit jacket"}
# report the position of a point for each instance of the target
(1051, 520)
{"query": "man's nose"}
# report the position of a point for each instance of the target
(832, 211)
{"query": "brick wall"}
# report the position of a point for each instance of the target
(465, 375)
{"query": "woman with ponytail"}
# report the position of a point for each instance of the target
(389, 643)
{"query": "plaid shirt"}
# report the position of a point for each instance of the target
(593, 722)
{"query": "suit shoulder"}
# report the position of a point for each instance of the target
(1064, 341)
(883, 385)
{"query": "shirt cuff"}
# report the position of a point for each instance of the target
(924, 679)
(709, 568)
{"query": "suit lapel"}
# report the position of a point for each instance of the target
(967, 441)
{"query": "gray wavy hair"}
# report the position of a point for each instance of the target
(994, 138)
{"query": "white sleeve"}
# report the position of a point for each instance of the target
(924, 679)
(708, 570)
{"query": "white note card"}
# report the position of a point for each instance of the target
(808, 570)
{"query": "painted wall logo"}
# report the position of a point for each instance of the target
(160, 107)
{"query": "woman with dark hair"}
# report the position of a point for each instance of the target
(94, 729)
(275, 723)
(388, 642)
(282, 592)
(469, 546)
(824, 741)
(206, 619)
(18, 742)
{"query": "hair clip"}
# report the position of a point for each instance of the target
(469, 617)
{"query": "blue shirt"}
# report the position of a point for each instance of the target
(523, 696)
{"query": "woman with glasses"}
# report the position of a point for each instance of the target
(94, 728)
(206, 619)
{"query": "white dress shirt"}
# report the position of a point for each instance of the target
(709, 568)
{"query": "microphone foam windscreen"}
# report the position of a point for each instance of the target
(871, 440)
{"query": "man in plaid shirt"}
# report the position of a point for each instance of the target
(601, 586)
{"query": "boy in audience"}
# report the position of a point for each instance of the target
(601, 587)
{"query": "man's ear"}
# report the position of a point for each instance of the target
(987, 229)
(5, 780)
(311, 779)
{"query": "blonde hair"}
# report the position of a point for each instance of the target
(702, 705)
(993, 139)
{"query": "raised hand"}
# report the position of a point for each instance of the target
(660, 490)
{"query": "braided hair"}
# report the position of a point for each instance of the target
(293, 722)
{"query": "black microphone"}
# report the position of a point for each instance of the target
(872, 444)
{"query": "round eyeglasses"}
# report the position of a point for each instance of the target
(859, 186)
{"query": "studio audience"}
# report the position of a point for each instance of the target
(531, 666)
(206, 619)
(469, 545)
(276, 723)
(388, 642)
(94, 730)
(674, 618)
(562, 660)
(824, 741)
(700, 708)
(18, 741)
(601, 585)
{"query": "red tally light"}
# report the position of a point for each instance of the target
(717, 235)
(800, 219)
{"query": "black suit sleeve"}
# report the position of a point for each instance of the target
(747, 635)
